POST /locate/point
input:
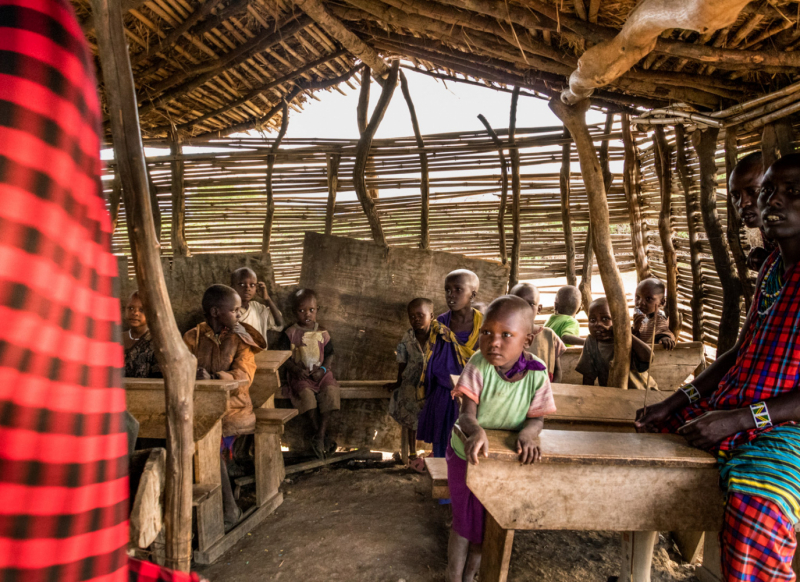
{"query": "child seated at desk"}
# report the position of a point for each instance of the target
(546, 344)
(563, 322)
(648, 317)
(140, 355)
(502, 387)
(403, 404)
(598, 352)
(263, 317)
(453, 340)
(310, 384)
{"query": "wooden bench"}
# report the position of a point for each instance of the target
(669, 369)
(266, 381)
(638, 484)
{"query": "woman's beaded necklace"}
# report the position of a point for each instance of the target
(771, 286)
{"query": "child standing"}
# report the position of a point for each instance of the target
(453, 340)
(262, 316)
(648, 317)
(563, 322)
(403, 405)
(598, 352)
(502, 387)
(546, 344)
(140, 355)
(309, 375)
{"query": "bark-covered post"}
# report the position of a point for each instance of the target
(692, 219)
(574, 118)
(566, 218)
(513, 152)
(705, 143)
(734, 229)
(362, 153)
(501, 213)
(154, 206)
(663, 164)
(333, 185)
(267, 234)
(114, 199)
(631, 180)
(177, 364)
(179, 246)
(425, 235)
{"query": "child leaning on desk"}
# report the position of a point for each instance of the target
(502, 387)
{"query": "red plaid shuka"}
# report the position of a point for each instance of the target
(768, 363)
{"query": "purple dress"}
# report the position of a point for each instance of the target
(440, 412)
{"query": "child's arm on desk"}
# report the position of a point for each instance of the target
(528, 441)
(572, 340)
(401, 366)
(477, 442)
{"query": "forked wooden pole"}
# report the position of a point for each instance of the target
(663, 164)
(424, 187)
(179, 246)
(501, 213)
(333, 186)
(267, 234)
(566, 217)
(734, 227)
(177, 364)
(513, 153)
(632, 184)
(574, 118)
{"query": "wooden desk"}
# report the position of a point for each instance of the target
(628, 482)
(266, 381)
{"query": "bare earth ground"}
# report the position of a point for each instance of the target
(380, 524)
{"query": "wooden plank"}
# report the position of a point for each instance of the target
(200, 493)
(253, 519)
(210, 518)
(690, 545)
(599, 404)
(273, 416)
(496, 551)
(271, 360)
(710, 570)
(437, 470)
(270, 470)
(145, 396)
(154, 426)
(147, 513)
(336, 458)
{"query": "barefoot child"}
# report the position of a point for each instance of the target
(648, 317)
(262, 317)
(226, 349)
(453, 340)
(563, 322)
(403, 405)
(502, 387)
(546, 345)
(309, 375)
(140, 355)
(598, 352)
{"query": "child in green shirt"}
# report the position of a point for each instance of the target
(563, 322)
(502, 387)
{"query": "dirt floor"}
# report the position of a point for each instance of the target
(380, 524)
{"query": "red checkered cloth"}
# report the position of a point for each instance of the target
(63, 446)
(767, 365)
(757, 541)
(148, 572)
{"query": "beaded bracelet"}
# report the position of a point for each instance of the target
(691, 393)
(324, 368)
(761, 414)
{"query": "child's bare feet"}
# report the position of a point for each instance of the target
(318, 446)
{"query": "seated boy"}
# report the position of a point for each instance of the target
(262, 317)
(546, 345)
(598, 351)
(563, 322)
(648, 317)
(140, 355)
(310, 384)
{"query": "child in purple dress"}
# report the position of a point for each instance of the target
(453, 340)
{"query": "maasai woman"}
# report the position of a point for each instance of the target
(744, 407)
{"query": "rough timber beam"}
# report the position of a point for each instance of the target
(607, 61)
(336, 29)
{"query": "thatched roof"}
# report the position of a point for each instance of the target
(225, 65)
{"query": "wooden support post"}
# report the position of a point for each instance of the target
(177, 364)
(692, 218)
(632, 184)
(734, 229)
(566, 218)
(776, 141)
(267, 235)
(574, 118)
(663, 164)
(179, 246)
(784, 136)
(585, 286)
(155, 209)
(705, 143)
(362, 109)
(496, 553)
(114, 199)
(501, 214)
(637, 555)
(513, 152)
(333, 185)
(425, 235)
(362, 153)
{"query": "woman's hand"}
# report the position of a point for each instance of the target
(528, 448)
(476, 444)
(650, 419)
(707, 431)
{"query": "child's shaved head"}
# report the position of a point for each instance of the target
(302, 295)
(242, 273)
(527, 292)
(568, 300)
(512, 305)
(420, 302)
(656, 285)
(467, 276)
(218, 296)
(600, 302)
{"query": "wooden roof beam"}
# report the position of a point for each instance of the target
(607, 61)
(336, 29)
